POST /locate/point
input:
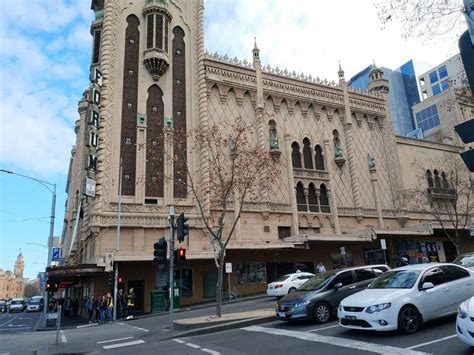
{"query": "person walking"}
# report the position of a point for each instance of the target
(103, 309)
(321, 267)
(67, 307)
(121, 304)
(90, 308)
(110, 307)
(97, 309)
(130, 303)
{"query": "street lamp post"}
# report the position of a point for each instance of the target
(47, 185)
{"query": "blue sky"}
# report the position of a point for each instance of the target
(45, 56)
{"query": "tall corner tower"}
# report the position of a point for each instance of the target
(377, 84)
(19, 266)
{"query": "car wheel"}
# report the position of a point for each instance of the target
(291, 290)
(409, 320)
(322, 313)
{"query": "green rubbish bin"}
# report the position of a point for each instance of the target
(158, 301)
(177, 295)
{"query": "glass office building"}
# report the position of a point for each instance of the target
(403, 93)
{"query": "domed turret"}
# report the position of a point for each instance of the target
(377, 82)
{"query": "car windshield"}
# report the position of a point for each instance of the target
(34, 303)
(317, 281)
(465, 260)
(396, 279)
(283, 278)
(17, 302)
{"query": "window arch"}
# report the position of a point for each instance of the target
(445, 183)
(312, 198)
(429, 177)
(319, 159)
(323, 199)
(437, 180)
(296, 156)
(307, 156)
(300, 197)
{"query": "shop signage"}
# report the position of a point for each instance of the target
(89, 187)
(343, 250)
(228, 268)
(52, 315)
(383, 244)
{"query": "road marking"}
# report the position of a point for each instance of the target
(121, 345)
(431, 342)
(318, 329)
(112, 340)
(63, 336)
(193, 345)
(12, 329)
(128, 325)
(342, 342)
(179, 341)
(17, 325)
(87, 325)
(210, 351)
(1, 325)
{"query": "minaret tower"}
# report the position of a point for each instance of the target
(377, 84)
(19, 266)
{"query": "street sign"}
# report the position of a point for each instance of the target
(343, 250)
(52, 315)
(383, 244)
(56, 254)
(471, 230)
(228, 268)
(89, 187)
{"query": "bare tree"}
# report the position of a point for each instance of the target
(239, 173)
(423, 18)
(445, 195)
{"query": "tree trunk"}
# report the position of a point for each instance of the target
(458, 244)
(220, 273)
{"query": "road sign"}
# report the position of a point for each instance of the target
(343, 250)
(228, 268)
(383, 244)
(56, 256)
(52, 315)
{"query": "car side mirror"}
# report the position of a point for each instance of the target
(426, 286)
(337, 286)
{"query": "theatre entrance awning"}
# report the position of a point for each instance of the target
(73, 272)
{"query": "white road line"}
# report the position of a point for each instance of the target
(128, 325)
(318, 329)
(431, 342)
(13, 329)
(121, 345)
(335, 341)
(179, 341)
(210, 351)
(63, 336)
(112, 340)
(87, 325)
(193, 345)
(1, 325)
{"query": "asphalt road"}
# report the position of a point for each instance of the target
(18, 322)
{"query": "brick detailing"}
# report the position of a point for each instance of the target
(129, 105)
(179, 113)
(154, 181)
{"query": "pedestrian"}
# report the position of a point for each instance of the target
(130, 303)
(90, 308)
(67, 307)
(97, 310)
(121, 304)
(75, 307)
(110, 306)
(103, 308)
(320, 267)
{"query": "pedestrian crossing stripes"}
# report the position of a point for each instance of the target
(121, 345)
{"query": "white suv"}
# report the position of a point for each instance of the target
(287, 284)
(17, 305)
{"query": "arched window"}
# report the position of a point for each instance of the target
(437, 180)
(312, 198)
(445, 180)
(323, 199)
(295, 155)
(429, 177)
(307, 156)
(300, 197)
(319, 158)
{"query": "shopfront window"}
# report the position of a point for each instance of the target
(251, 273)
(185, 279)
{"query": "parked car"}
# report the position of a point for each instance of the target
(287, 284)
(3, 306)
(17, 305)
(465, 321)
(405, 297)
(317, 299)
(34, 306)
(466, 260)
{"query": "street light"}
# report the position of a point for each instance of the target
(47, 185)
(41, 245)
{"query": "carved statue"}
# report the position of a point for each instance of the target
(273, 139)
(371, 162)
(337, 150)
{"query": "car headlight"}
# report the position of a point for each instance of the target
(378, 307)
(461, 312)
(301, 304)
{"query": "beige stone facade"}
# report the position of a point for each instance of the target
(12, 284)
(337, 196)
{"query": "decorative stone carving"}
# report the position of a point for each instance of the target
(156, 62)
(371, 162)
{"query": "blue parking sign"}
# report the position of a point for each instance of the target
(55, 255)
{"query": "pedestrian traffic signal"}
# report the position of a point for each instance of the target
(111, 279)
(182, 229)
(179, 256)
(160, 251)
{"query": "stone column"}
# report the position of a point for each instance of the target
(375, 191)
(332, 200)
(335, 216)
(291, 182)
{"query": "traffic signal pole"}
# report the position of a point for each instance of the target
(171, 286)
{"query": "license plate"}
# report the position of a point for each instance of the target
(281, 314)
(351, 317)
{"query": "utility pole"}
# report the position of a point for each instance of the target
(171, 286)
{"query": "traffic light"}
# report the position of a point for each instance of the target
(182, 229)
(111, 279)
(51, 286)
(160, 251)
(179, 256)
